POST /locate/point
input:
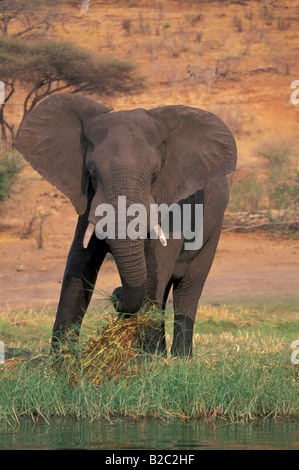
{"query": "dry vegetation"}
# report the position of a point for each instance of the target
(237, 59)
(208, 54)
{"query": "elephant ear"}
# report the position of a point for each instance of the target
(51, 138)
(199, 148)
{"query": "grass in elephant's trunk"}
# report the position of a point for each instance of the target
(116, 349)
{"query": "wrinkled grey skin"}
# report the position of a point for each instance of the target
(162, 155)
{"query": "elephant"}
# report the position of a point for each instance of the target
(165, 155)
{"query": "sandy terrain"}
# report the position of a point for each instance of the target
(260, 56)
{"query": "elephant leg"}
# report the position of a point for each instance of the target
(155, 341)
(78, 283)
(186, 294)
(166, 293)
(160, 265)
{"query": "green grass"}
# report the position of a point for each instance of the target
(241, 370)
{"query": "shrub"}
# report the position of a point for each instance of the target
(245, 194)
(276, 154)
(283, 180)
(10, 165)
(277, 194)
(237, 22)
(127, 24)
(283, 188)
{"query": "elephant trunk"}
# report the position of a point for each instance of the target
(129, 256)
(130, 260)
(127, 250)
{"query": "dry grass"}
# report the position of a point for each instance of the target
(111, 347)
(116, 349)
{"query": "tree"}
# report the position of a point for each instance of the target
(41, 68)
(28, 17)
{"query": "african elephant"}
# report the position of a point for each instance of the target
(163, 155)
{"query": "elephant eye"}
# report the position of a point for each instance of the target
(155, 174)
(93, 171)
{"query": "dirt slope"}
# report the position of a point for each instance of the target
(235, 59)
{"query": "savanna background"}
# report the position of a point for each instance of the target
(234, 58)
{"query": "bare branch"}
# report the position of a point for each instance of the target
(31, 14)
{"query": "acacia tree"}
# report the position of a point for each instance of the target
(37, 69)
(28, 17)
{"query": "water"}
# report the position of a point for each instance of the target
(150, 434)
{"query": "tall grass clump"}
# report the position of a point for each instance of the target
(118, 347)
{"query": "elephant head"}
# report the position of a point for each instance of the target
(93, 155)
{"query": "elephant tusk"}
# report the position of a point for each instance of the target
(88, 235)
(158, 230)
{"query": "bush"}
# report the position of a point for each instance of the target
(283, 188)
(283, 180)
(276, 154)
(10, 166)
(277, 195)
(245, 194)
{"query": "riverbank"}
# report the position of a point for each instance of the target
(241, 370)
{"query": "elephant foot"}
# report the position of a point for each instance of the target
(152, 337)
(182, 336)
